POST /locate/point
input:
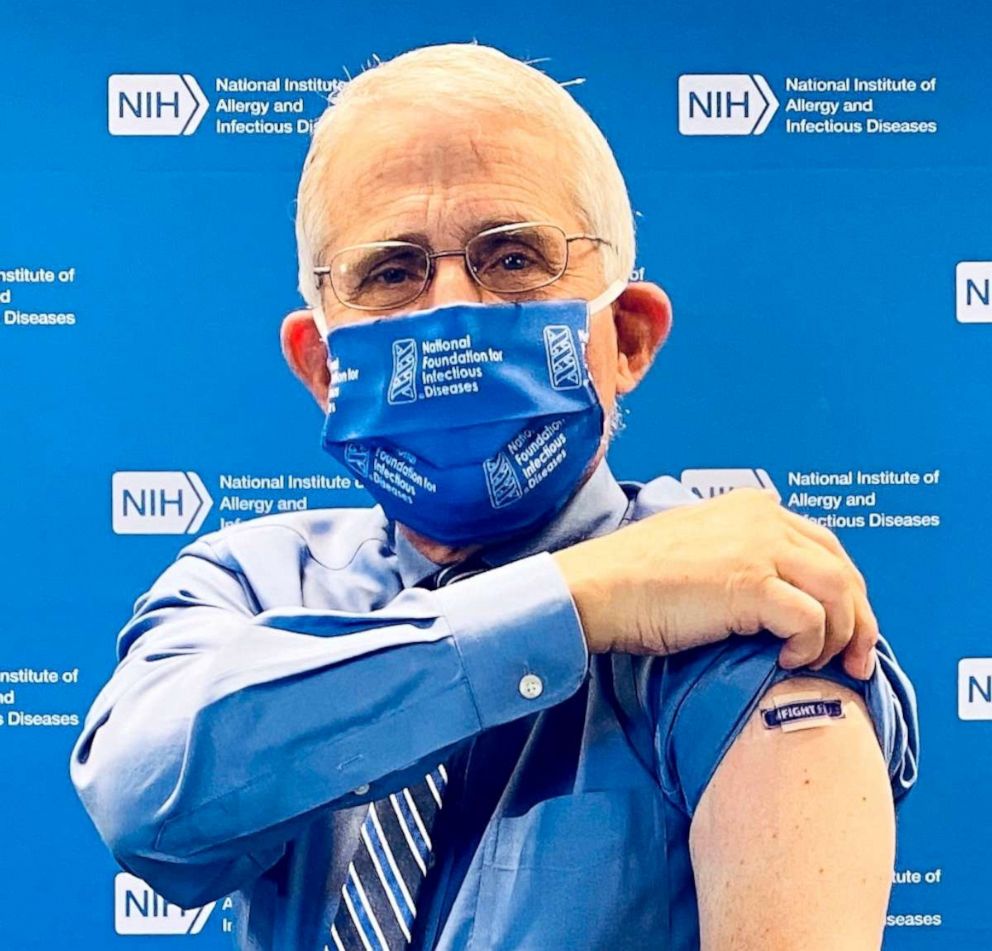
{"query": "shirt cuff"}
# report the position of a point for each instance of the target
(519, 636)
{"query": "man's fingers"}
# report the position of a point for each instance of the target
(796, 617)
(839, 639)
(859, 657)
(812, 569)
(823, 536)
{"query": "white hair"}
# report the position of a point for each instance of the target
(461, 77)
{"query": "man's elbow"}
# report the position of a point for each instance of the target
(129, 794)
(190, 885)
(126, 789)
(126, 812)
(130, 821)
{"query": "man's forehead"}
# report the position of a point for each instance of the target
(395, 179)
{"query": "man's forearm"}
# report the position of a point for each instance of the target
(221, 727)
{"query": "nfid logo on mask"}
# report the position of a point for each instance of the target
(501, 480)
(563, 358)
(358, 456)
(403, 384)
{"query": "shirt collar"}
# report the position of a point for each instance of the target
(597, 508)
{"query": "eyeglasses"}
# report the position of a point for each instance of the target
(509, 259)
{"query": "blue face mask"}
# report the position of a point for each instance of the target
(467, 422)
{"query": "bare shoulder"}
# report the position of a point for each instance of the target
(794, 836)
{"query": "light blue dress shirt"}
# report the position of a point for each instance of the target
(282, 673)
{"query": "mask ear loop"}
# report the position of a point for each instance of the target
(613, 290)
(317, 313)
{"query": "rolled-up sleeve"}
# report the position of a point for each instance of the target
(702, 699)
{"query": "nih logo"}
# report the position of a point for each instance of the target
(973, 289)
(159, 503)
(725, 104)
(563, 359)
(140, 910)
(154, 104)
(709, 483)
(403, 385)
(975, 688)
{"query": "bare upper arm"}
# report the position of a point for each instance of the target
(793, 840)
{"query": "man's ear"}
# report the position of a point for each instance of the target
(306, 353)
(642, 315)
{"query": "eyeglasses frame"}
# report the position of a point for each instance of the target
(432, 256)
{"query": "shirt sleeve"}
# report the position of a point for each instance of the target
(703, 698)
(223, 728)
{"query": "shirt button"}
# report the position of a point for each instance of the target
(531, 686)
(361, 790)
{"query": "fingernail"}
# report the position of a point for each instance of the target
(870, 664)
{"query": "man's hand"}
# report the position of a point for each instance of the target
(735, 564)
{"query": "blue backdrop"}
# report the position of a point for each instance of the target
(822, 325)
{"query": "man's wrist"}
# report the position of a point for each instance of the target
(588, 593)
(519, 637)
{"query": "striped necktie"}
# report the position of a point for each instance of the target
(379, 897)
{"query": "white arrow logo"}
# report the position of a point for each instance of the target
(725, 104)
(707, 483)
(154, 104)
(159, 503)
(138, 909)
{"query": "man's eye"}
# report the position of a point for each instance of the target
(504, 259)
(390, 275)
(515, 261)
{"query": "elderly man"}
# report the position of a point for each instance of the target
(517, 704)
